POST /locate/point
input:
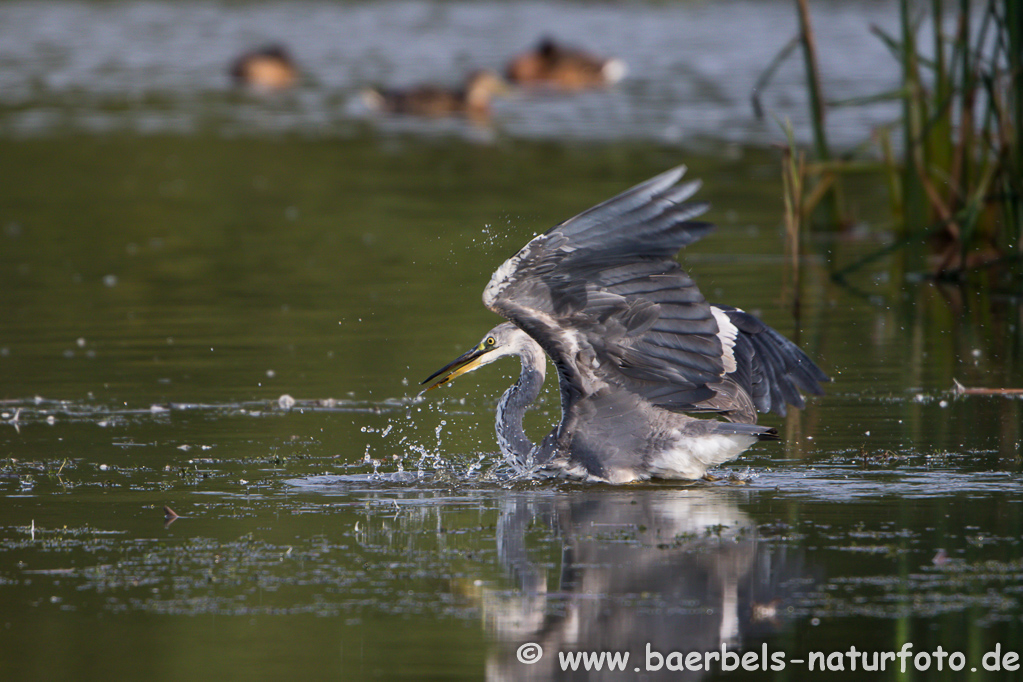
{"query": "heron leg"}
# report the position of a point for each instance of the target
(731, 478)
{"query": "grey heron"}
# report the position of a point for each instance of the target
(636, 346)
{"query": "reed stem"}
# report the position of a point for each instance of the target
(828, 210)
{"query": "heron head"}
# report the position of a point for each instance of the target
(504, 339)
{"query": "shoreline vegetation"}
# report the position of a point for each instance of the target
(952, 161)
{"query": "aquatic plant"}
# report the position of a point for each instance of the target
(956, 180)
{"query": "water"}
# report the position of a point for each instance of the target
(151, 67)
(222, 306)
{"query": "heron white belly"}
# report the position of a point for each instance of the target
(688, 458)
(691, 456)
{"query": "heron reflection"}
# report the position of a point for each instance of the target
(636, 346)
(678, 570)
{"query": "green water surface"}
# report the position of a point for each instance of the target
(223, 305)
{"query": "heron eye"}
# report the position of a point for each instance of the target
(491, 341)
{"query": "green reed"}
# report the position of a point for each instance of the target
(956, 182)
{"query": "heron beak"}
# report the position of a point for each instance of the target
(466, 362)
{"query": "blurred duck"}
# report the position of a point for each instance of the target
(568, 69)
(267, 69)
(472, 100)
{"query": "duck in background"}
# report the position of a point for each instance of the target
(267, 69)
(551, 64)
(472, 100)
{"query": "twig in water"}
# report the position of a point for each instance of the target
(959, 389)
(169, 516)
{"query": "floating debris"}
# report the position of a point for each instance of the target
(169, 516)
(959, 389)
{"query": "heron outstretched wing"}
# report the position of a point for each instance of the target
(602, 291)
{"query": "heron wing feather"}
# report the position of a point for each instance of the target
(604, 286)
(780, 370)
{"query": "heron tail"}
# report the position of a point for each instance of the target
(756, 430)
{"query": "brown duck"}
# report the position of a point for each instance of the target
(553, 65)
(473, 99)
(267, 69)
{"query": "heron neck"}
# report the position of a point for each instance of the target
(516, 400)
